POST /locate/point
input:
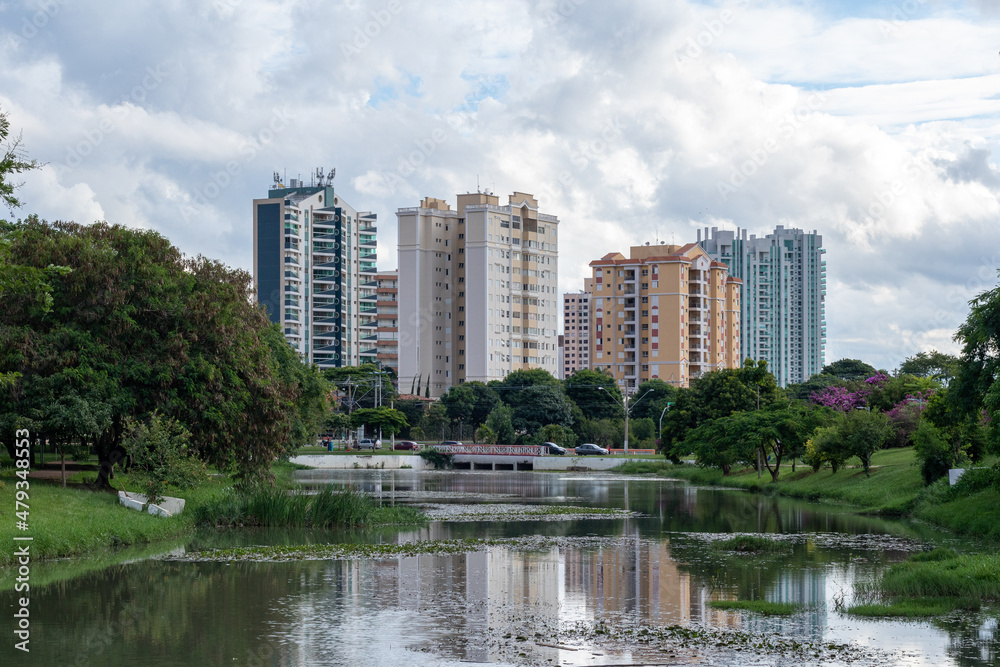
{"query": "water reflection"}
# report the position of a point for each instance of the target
(657, 570)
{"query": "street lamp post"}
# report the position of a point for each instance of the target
(626, 401)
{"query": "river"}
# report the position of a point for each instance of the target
(559, 589)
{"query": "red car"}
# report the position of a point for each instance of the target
(406, 444)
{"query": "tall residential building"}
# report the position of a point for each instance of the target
(576, 330)
(784, 310)
(387, 314)
(477, 290)
(314, 271)
(666, 312)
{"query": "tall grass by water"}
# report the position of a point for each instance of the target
(296, 509)
(930, 583)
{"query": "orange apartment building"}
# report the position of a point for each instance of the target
(386, 318)
(667, 312)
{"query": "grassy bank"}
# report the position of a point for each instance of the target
(278, 507)
(895, 488)
(929, 584)
(76, 521)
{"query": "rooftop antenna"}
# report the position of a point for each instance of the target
(329, 177)
(319, 175)
(277, 179)
(477, 184)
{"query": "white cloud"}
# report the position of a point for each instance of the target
(624, 118)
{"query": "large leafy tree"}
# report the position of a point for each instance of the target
(657, 394)
(935, 365)
(977, 386)
(714, 395)
(157, 332)
(12, 162)
(385, 420)
(540, 405)
(596, 394)
(519, 380)
(849, 369)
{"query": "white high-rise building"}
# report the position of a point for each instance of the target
(784, 296)
(314, 270)
(478, 294)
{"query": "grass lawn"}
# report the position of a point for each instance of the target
(893, 487)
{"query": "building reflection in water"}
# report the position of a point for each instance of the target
(631, 581)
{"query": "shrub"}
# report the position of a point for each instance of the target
(440, 460)
(933, 450)
(159, 453)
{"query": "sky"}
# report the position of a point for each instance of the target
(874, 123)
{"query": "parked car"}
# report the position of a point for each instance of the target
(407, 445)
(553, 448)
(368, 443)
(590, 448)
(451, 442)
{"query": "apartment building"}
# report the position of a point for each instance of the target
(575, 348)
(314, 270)
(667, 312)
(387, 316)
(478, 293)
(784, 296)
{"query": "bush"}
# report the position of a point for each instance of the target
(934, 452)
(440, 460)
(158, 449)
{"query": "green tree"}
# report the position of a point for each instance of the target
(160, 453)
(485, 435)
(485, 400)
(657, 394)
(596, 394)
(714, 395)
(539, 405)
(718, 443)
(383, 420)
(13, 162)
(643, 430)
(159, 332)
(977, 385)
(558, 434)
(935, 365)
(311, 404)
(803, 391)
(849, 369)
(935, 453)
(435, 421)
(459, 402)
(517, 381)
(500, 423)
(608, 433)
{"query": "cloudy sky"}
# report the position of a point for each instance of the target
(875, 123)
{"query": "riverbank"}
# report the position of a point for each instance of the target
(894, 489)
(76, 521)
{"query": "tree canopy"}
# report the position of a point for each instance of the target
(978, 382)
(135, 327)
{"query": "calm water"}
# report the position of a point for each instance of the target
(503, 605)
